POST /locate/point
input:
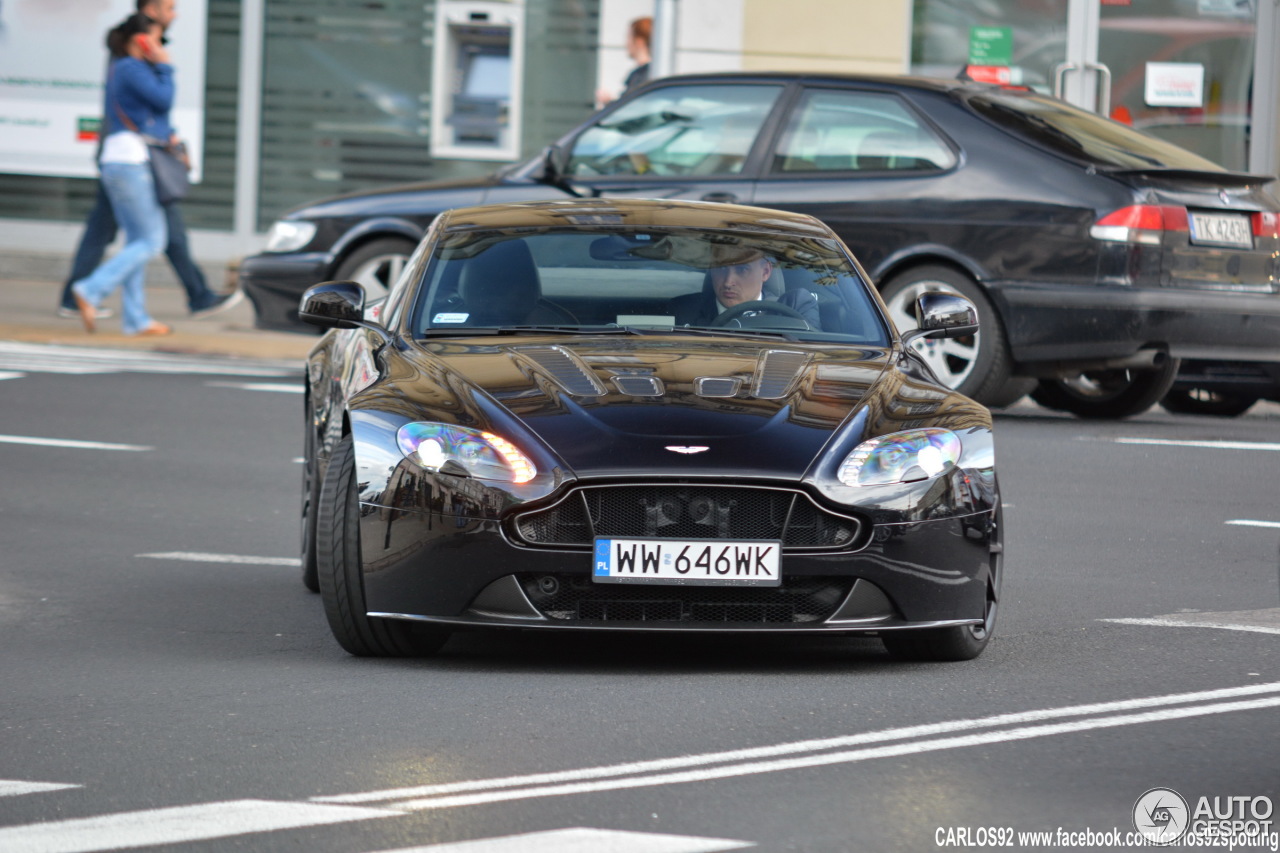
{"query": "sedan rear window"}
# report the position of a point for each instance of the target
(1083, 135)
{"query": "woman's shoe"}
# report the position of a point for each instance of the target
(88, 314)
(156, 329)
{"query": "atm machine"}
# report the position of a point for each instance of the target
(477, 80)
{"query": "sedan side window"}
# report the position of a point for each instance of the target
(676, 130)
(835, 131)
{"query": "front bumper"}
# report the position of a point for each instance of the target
(1065, 324)
(275, 283)
(453, 570)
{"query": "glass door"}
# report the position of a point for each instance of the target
(1182, 70)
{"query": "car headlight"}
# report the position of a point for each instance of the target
(480, 454)
(901, 457)
(288, 235)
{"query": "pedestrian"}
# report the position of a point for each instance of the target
(101, 226)
(639, 38)
(139, 94)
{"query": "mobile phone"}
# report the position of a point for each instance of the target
(143, 41)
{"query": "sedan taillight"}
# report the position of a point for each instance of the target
(1266, 224)
(1140, 223)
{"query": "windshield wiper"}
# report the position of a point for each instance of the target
(720, 331)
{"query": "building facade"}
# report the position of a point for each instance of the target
(309, 98)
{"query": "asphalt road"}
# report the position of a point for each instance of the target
(167, 682)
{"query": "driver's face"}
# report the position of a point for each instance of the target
(740, 282)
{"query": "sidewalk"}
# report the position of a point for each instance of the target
(29, 315)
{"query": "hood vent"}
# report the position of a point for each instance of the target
(776, 373)
(639, 386)
(716, 386)
(565, 369)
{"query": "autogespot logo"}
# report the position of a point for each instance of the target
(1161, 815)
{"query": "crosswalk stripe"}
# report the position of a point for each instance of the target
(1248, 522)
(176, 825)
(584, 840)
(72, 443)
(1212, 445)
(17, 787)
(278, 387)
(9, 374)
(43, 358)
(199, 557)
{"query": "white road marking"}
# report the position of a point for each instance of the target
(1252, 621)
(260, 386)
(847, 757)
(66, 442)
(175, 825)
(9, 374)
(16, 787)
(584, 840)
(1216, 445)
(1247, 522)
(41, 358)
(796, 747)
(197, 557)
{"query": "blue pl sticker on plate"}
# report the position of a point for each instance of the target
(450, 318)
(602, 557)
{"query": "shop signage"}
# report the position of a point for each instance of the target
(991, 45)
(1174, 84)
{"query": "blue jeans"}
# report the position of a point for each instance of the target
(100, 230)
(133, 201)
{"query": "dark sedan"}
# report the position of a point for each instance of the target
(642, 416)
(1097, 256)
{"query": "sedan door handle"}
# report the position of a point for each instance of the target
(722, 198)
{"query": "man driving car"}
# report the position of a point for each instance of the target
(737, 281)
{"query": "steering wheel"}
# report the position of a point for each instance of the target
(765, 306)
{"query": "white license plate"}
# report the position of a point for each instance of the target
(697, 562)
(1221, 229)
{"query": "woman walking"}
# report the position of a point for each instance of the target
(138, 98)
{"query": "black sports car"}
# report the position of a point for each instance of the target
(642, 415)
(1097, 256)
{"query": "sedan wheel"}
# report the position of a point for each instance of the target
(1108, 394)
(978, 366)
(341, 582)
(1200, 401)
(376, 265)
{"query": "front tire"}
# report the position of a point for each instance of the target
(978, 366)
(1108, 394)
(310, 501)
(341, 581)
(959, 642)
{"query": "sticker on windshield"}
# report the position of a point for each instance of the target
(450, 318)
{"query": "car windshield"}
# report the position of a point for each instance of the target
(600, 280)
(1083, 135)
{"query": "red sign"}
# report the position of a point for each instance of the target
(998, 74)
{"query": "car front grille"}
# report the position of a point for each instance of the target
(689, 512)
(576, 598)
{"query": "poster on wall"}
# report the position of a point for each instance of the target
(1174, 84)
(53, 63)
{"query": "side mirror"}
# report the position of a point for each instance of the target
(551, 170)
(943, 315)
(333, 305)
(338, 305)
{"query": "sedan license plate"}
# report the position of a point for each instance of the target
(697, 562)
(1221, 229)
